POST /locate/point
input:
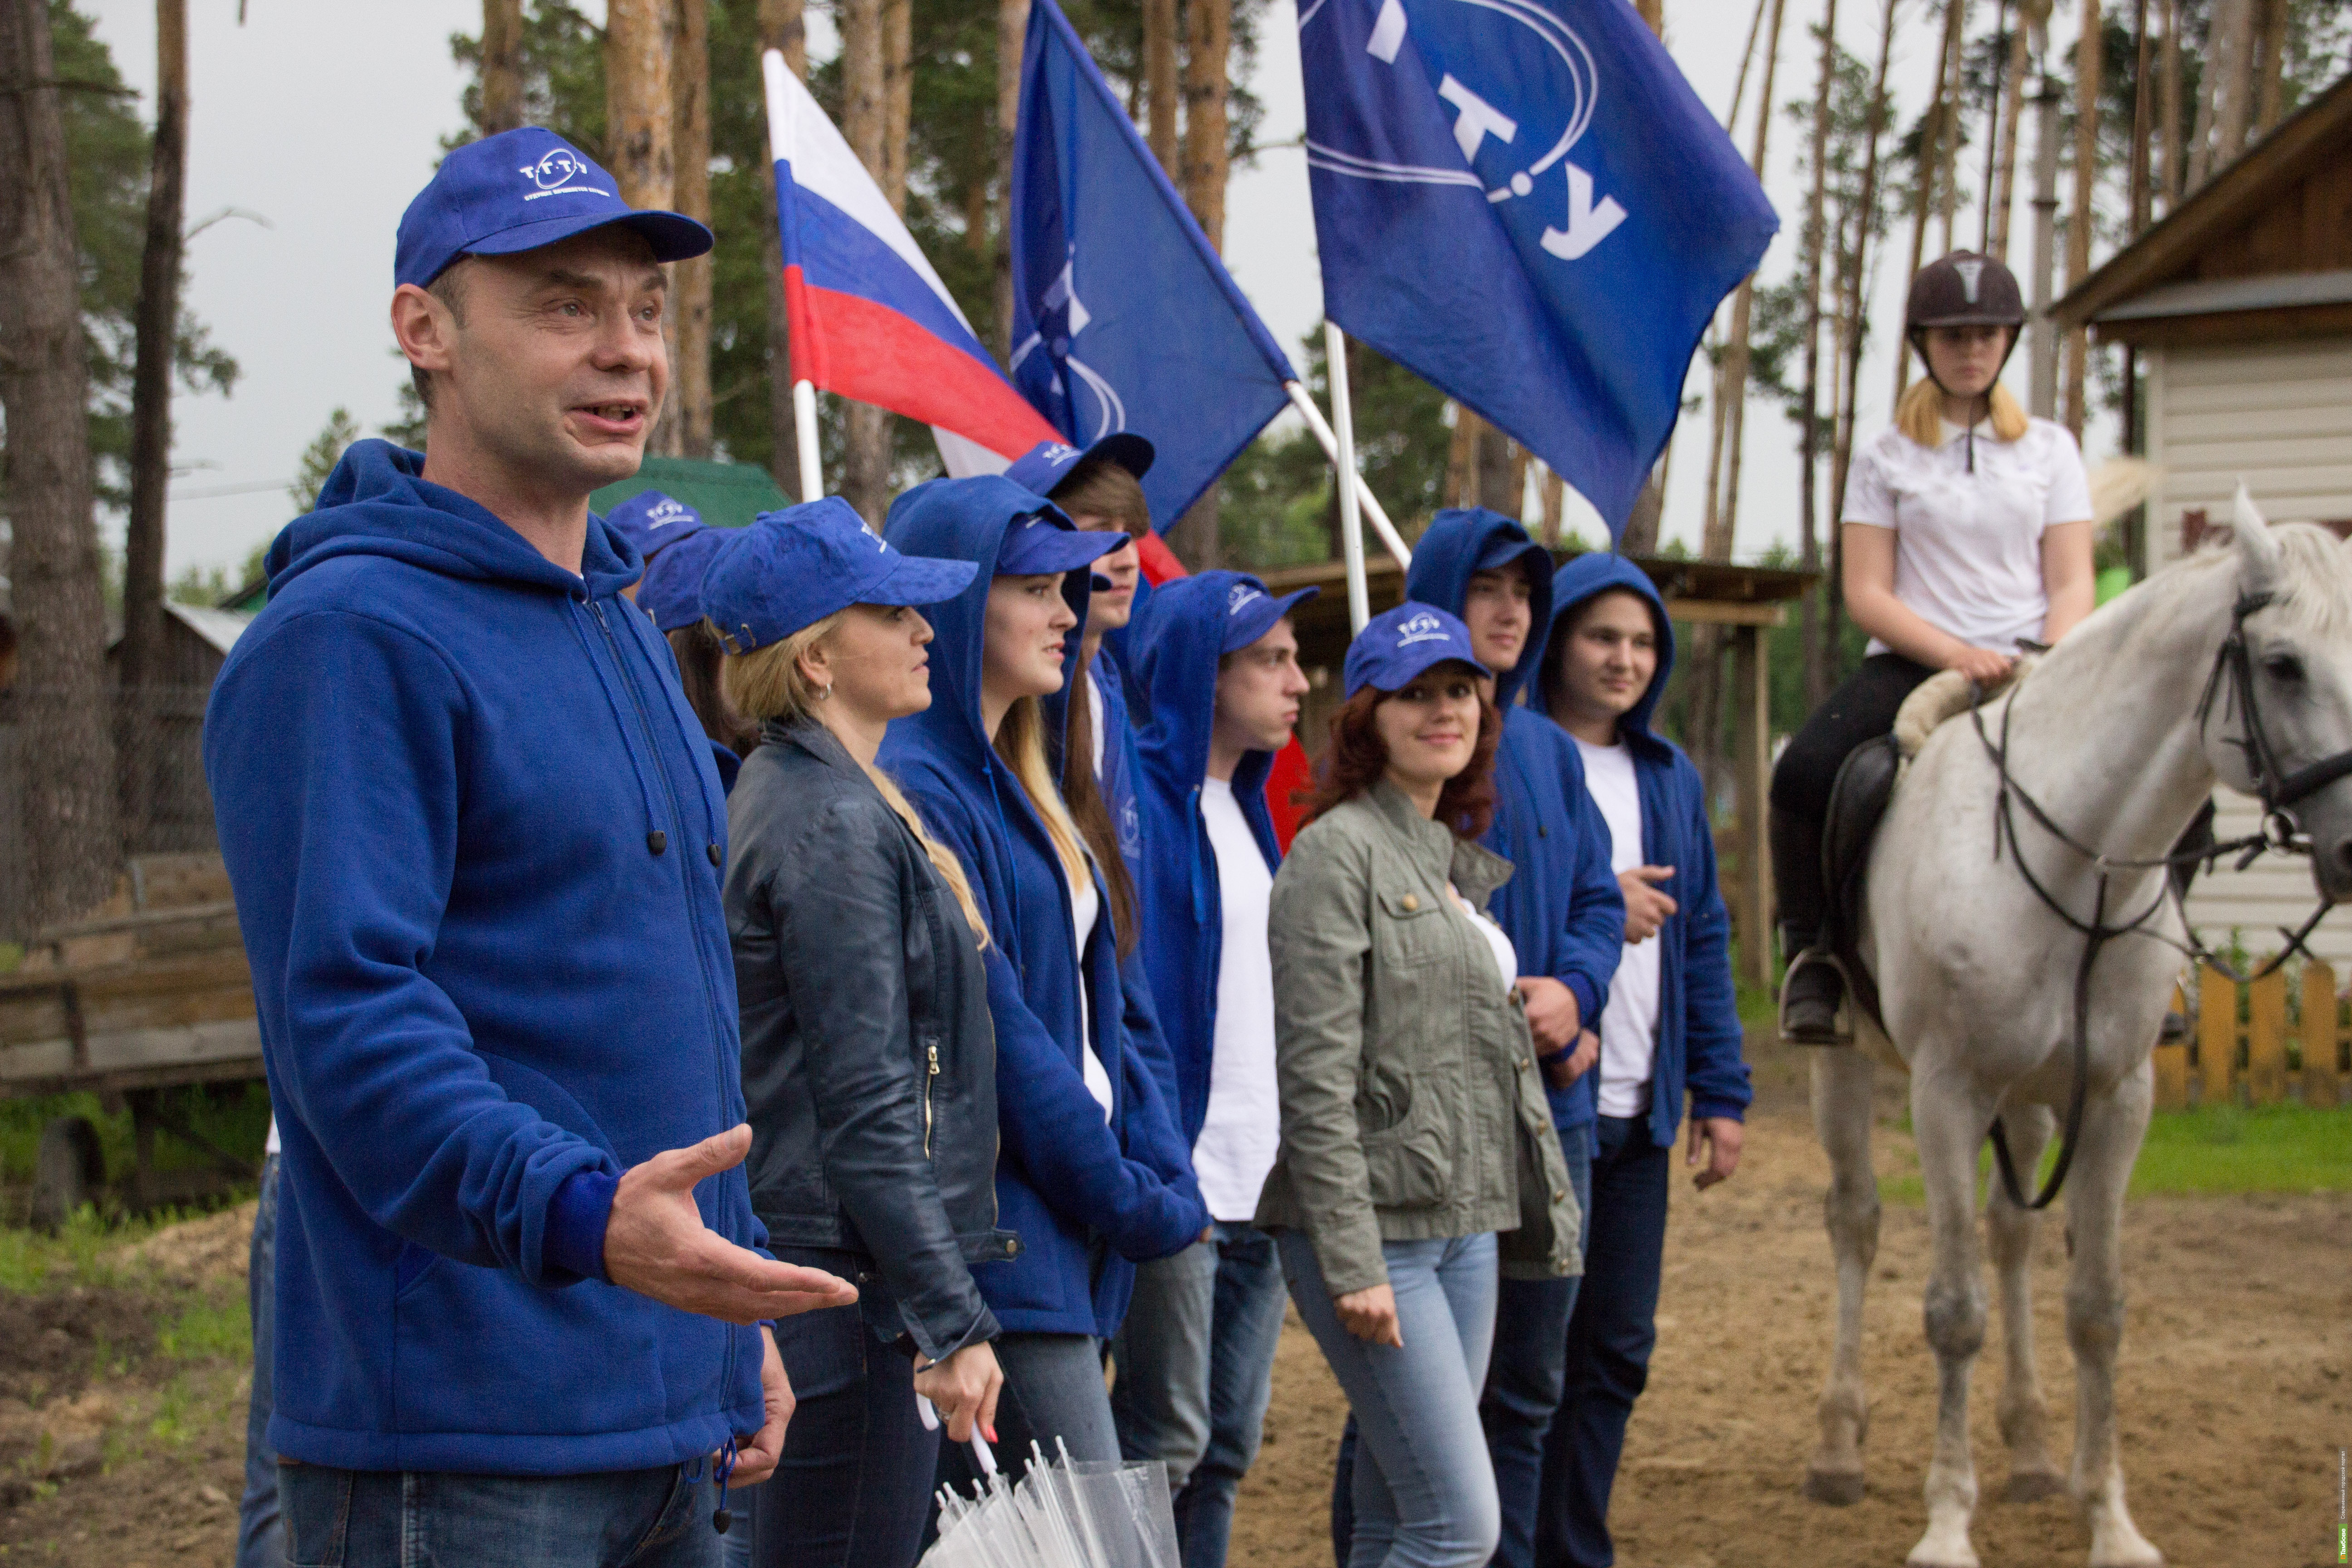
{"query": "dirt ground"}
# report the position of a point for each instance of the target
(2234, 1392)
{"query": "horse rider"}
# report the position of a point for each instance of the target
(1967, 534)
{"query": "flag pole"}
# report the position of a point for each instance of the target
(1352, 526)
(782, 140)
(1372, 508)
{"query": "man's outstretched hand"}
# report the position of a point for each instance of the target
(657, 1245)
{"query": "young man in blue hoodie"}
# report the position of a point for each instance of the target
(476, 839)
(1219, 661)
(1670, 1029)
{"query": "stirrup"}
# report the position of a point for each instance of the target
(1841, 1030)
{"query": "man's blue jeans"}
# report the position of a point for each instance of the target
(260, 1536)
(1425, 1492)
(1195, 1370)
(1524, 1379)
(1610, 1337)
(388, 1519)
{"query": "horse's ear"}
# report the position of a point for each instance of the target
(2258, 547)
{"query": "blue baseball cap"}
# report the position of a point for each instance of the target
(792, 568)
(1251, 610)
(1398, 644)
(672, 590)
(1504, 551)
(1046, 542)
(1048, 463)
(516, 190)
(653, 521)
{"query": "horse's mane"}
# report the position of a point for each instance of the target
(2314, 594)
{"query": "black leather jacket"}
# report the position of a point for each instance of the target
(869, 1059)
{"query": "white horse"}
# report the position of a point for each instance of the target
(2116, 736)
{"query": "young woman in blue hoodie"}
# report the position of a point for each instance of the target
(870, 1063)
(1091, 1172)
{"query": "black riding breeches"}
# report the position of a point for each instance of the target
(1864, 707)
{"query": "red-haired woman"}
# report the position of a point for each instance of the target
(1414, 1126)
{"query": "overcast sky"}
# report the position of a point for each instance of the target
(323, 117)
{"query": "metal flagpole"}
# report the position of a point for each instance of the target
(783, 142)
(1351, 525)
(1372, 508)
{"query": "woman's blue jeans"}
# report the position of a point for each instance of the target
(1425, 1490)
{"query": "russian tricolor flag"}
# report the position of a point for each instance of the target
(870, 318)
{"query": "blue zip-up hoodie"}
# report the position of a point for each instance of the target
(475, 838)
(1090, 1200)
(1118, 781)
(1561, 908)
(1173, 645)
(1698, 1011)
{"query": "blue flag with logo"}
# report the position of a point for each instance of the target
(1523, 202)
(1123, 317)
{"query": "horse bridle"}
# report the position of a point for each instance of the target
(2279, 791)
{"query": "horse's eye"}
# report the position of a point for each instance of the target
(2284, 667)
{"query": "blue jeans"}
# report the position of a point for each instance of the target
(390, 1518)
(1423, 1491)
(260, 1535)
(1052, 1389)
(1610, 1337)
(853, 1486)
(1195, 1370)
(1525, 1378)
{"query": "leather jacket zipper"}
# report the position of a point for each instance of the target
(929, 1078)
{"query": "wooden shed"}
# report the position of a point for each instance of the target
(196, 640)
(2239, 305)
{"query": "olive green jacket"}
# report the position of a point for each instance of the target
(1412, 1108)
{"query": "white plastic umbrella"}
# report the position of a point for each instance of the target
(1072, 1513)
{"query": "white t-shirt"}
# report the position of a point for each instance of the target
(1506, 957)
(1094, 712)
(271, 1147)
(1968, 549)
(1629, 1023)
(1085, 908)
(1243, 1130)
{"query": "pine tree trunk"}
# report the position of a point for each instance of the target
(2012, 111)
(1641, 524)
(151, 423)
(1955, 36)
(690, 404)
(1012, 29)
(2232, 61)
(1928, 169)
(501, 66)
(782, 27)
(2175, 165)
(897, 97)
(1496, 469)
(1817, 683)
(1552, 494)
(70, 843)
(1160, 92)
(2088, 60)
(637, 124)
(1462, 458)
(2215, 70)
(865, 125)
(1731, 389)
(1207, 159)
(2271, 71)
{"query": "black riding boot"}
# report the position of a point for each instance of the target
(1810, 993)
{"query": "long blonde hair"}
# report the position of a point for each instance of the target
(767, 683)
(1920, 415)
(1021, 741)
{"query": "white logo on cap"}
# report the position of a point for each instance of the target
(1422, 627)
(553, 176)
(668, 512)
(1969, 272)
(1243, 592)
(1060, 452)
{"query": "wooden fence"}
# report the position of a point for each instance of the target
(2267, 1057)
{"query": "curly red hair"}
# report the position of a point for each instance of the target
(1357, 758)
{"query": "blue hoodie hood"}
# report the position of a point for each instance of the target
(1598, 572)
(1447, 557)
(1173, 645)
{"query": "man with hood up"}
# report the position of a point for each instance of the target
(476, 839)
(1219, 662)
(1671, 1027)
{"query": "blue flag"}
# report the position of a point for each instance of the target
(1524, 202)
(1123, 317)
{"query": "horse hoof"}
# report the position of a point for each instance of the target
(1839, 1488)
(2034, 1486)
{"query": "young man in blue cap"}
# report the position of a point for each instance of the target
(1218, 659)
(476, 839)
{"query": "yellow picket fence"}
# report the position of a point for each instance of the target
(2268, 1057)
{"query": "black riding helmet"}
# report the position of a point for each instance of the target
(1964, 289)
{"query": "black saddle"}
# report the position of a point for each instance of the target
(1858, 798)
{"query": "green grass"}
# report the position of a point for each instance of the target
(2214, 1151)
(206, 1329)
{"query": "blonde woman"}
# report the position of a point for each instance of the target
(1093, 1173)
(1966, 531)
(869, 1060)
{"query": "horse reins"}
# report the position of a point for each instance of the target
(2278, 792)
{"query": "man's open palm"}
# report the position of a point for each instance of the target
(657, 1245)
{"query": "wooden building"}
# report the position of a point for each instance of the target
(2238, 308)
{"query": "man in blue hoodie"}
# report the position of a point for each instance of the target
(1670, 1029)
(1219, 661)
(476, 839)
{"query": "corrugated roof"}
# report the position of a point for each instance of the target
(219, 627)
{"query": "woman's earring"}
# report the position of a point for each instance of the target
(823, 692)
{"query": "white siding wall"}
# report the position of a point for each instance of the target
(2280, 415)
